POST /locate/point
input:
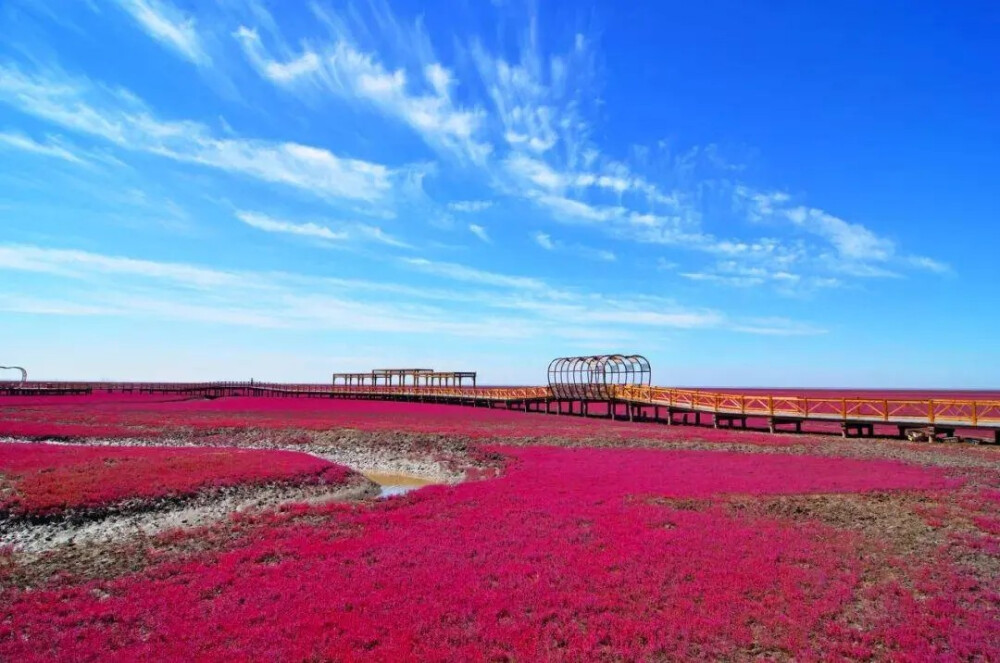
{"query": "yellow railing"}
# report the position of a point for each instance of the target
(929, 411)
(959, 412)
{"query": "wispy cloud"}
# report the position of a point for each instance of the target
(731, 272)
(546, 241)
(168, 25)
(376, 234)
(513, 307)
(529, 136)
(597, 254)
(296, 69)
(18, 141)
(777, 327)
(929, 264)
(675, 320)
(536, 98)
(121, 118)
(344, 231)
(470, 205)
(849, 248)
(240, 298)
(851, 240)
(480, 232)
(268, 224)
(78, 264)
(526, 119)
(550, 159)
(422, 99)
(472, 275)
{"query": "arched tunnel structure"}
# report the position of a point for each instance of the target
(594, 377)
(24, 373)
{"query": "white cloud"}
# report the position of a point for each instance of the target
(776, 327)
(540, 101)
(737, 281)
(253, 299)
(534, 172)
(929, 264)
(480, 232)
(279, 72)
(857, 250)
(535, 100)
(575, 210)
(39, 306)
(472, 275)
(737, 274)
(423, 102)
(119, 117)
(267, 224)
(470, 205)
(73, 263)
(542, 150)
(344, 231)
(598, 254)
(168, 25)
(763, 203)
(557, 192)
(376, 234)
(665, 265)
(92, 284)
(679, 320)
(553, 162)
(851, 240)
(529, 98)
(544, 240)
(49, 149)
(622, 223)
(529, 131)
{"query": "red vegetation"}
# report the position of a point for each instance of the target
(42, 479)
(572, 555)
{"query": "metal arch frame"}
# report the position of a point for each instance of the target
(24, 373)
(597, 377)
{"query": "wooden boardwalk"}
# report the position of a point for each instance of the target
(855, 416)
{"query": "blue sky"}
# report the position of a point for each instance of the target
(782, 194)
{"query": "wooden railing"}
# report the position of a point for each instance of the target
(930, 411)
(961, 412)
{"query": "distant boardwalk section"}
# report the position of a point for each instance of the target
(613, 386)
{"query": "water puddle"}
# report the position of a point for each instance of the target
(397, 484)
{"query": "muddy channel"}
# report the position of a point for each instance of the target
(391, 485)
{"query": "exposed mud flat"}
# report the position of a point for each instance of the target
(380, 463)
(112, 540)
(436, 458)
(387, 463)
(148, 517)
